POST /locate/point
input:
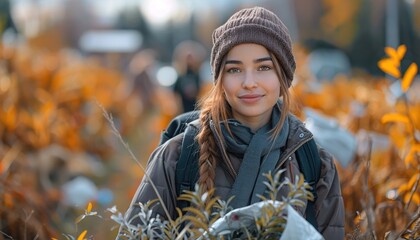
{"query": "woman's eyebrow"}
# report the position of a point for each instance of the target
(232, 62)
(258, 60)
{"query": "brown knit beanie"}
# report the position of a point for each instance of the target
(253, 25)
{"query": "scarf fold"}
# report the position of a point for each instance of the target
(260, 155)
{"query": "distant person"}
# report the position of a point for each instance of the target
(141, 72)
(187, 60)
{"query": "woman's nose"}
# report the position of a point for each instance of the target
(249, 80)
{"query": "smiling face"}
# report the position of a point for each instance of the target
(251, 84)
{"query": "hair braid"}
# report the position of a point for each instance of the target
(208, 154)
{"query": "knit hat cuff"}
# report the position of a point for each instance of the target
(258, 34)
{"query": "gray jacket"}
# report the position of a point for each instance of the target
(329, 207)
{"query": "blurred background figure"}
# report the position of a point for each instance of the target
(141, 73)
(187, 59)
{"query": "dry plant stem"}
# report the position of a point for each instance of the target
(413, 189)
(413, 136)
(416, 217)
(368, 206)
(4, 234)
(407, 112)
(26, 221)
(108, 117)
(183, 232)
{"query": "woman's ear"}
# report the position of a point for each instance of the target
(223, 92)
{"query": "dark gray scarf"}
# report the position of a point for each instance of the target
(260, 155)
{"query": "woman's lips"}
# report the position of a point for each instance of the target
(250, 98)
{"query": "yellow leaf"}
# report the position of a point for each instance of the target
(82, 235)
(391, 52)
(403, 188)
(409, 76)
(394, 117)
(415, 148)
(196, 221)
(410, 159)
(301, 180)
(89, 207)
(413, 180)
(389, 66)
(415, 198)
(401, 51)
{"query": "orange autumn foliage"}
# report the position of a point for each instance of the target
(49, 98)
(362, 104)
(49, 101)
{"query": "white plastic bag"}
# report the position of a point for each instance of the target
(297, 228)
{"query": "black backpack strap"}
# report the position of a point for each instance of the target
(186, 173)
(178, 125)
(310, 165)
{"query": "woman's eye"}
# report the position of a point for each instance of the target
(264, 68)
(233, 70)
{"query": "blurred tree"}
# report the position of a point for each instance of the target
(358, 28)
(78, 18)
(367, 48)
(338, 22)
(131, 18)
(6, 21)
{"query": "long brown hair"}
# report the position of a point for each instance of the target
(214, 107)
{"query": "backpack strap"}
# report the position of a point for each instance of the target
(310, 165)
(178, 125)
(186, 173)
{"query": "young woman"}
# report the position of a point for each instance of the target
(245, 125)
